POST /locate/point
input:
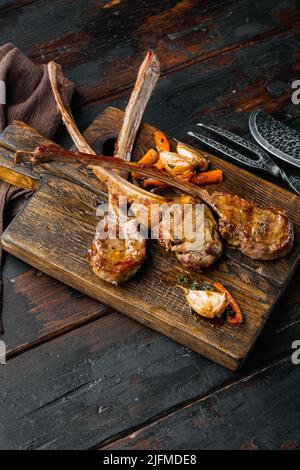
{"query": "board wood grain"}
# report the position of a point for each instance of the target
(57, 226)
(212, 422)
(183, 32)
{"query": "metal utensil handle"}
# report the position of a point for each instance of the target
(292, 181)
(229, 152)
(262, 160)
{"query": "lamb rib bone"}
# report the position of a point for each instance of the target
(191, 257)
(113, 260)
(148, 74)
(147, 77)
(107, 176)
(262, 233)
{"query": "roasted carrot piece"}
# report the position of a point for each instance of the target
(186, 176)
(237, 317)
(161, 141)
(159, 164)
(207, 177)
(154, 183)
(150, 158)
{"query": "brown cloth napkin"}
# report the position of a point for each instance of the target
(29, 99)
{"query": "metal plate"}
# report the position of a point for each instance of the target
(275, 137)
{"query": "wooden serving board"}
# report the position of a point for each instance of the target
(57, 226)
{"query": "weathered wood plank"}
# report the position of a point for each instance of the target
(243, 184)
(12, 267)
(101, 380)
(24, 331)
(267, 343)
(29, 322)
(37, 308)
(259, 412)
(188, 375)
(180, 112)
(224, 89)
(30, 319)
(102, 48)
(11, 5)
(64, 216)
(98, 379)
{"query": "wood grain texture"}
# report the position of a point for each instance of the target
(64, 221)
(101, 47)
(250, 414)
(38, 308)
(229, 56)
(223, 91)
(101, 378)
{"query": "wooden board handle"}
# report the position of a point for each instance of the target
(19, 135)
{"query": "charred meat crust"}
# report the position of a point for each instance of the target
(114, 260)
(120, 265)
(262, 233)
(206, 255)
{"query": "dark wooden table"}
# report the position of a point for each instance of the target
(80, 375)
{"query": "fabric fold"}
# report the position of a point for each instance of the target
(29, 99)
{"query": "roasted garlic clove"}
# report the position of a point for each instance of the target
(209, 304)
(174, 163)
(196, 159)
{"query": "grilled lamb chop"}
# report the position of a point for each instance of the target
(114, 259)
(198, 255)
(117, 259)
(207, 255)
(262, 233)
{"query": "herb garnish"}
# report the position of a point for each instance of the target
(190, 284)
